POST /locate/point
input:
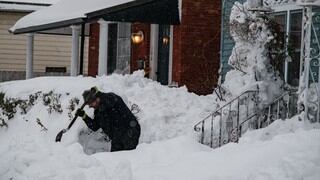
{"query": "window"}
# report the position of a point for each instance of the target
(119, 48)
(124, 47)
(290, 23)
(56, 69)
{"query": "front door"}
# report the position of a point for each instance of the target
(163, 54)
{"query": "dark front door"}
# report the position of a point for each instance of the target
(163, 54)
(112, 48)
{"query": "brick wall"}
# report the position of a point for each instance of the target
(196, 46)
(93, 49)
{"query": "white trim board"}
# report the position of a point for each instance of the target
(154, 34)
(287, 7)
(170, 56)
(154, 30)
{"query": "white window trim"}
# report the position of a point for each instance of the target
(170, 82)
(287, 9)
(154, 30)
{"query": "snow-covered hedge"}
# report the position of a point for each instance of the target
(164, 112)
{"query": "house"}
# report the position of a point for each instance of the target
(298, 23)
(289, 16)
(178, 40)
(51, 48)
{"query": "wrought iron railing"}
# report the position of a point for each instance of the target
(230, 121)
(224, 120)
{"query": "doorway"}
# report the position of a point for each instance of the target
(163, 54)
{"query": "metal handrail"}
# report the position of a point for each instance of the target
(230, 114)
(236, 121)
(219, 109)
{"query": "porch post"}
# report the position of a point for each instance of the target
(103, 47)
(29, 57)
(307, 58)
(286, 63)
(75, 50)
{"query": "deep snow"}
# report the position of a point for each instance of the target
(168, 149)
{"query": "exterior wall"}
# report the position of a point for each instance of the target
(137, 50)
(196, 46)
(227, 42)
(49, 50)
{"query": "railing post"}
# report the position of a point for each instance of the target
(269, 114)
(288, 106)
(238, 116)
(202, 132)
(220, 128)
(211, 132)
(278, 108)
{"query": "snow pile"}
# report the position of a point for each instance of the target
(286, 150)
(252, 69)
(164, 112)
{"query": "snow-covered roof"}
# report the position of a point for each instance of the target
(64, 10)
(48, 2)
(308, 2)
(278, 2)
(68, 12)
(24, 5)
(19, 7)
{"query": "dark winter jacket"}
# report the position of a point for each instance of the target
(117, 121)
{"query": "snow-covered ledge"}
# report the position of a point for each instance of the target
(29, 57)
(75, 50)
(103, 47)
(308, 2)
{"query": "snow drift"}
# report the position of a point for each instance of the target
(164, 112)
(168, 150)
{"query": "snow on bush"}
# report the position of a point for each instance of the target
(164, 112)
(252, 69)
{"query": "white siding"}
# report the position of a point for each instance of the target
(49, 50)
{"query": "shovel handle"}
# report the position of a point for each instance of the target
(59, 135)
(76, 116)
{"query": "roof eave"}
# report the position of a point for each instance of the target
(49, 26)
(98, 14)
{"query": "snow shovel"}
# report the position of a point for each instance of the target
(59, 135)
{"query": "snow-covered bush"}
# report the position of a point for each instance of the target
(10, 106)
(250, 58)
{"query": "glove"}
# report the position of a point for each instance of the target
(81, 113)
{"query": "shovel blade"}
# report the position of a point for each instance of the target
(59, 135)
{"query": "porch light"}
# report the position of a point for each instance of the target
(137, 37)
(165, 40)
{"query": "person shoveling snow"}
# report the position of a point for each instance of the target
(113, 116)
